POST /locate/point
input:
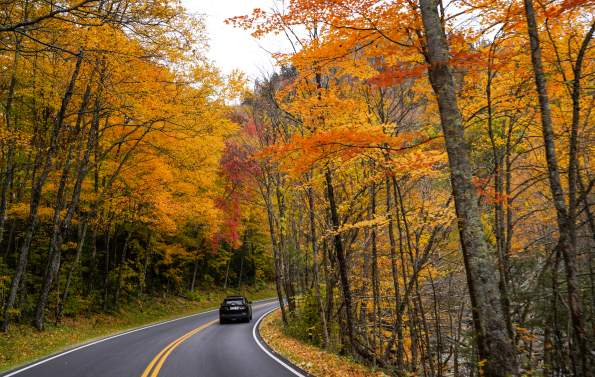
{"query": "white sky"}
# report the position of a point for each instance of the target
(232, 48)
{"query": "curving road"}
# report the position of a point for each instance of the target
(193, 346)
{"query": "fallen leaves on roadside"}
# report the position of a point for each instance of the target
(308, 357)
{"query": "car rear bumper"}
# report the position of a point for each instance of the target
(234, 316)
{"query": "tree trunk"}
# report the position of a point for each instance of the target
(92, 261)
(36, 194)
(566, 216)
(395, 278)
(95, 150)
(194, 273)
(73, 267)
(314, 242)
(330, 281)
(573, 165)
(143, 286)
(241, 271)
(283, 249)
(61, 226)
(376, 340)
(226, 274)
(501, 250)
(107, 270)
(8, 171)
(275, 246)
(494, 344)
(120, 268)
(343, 268)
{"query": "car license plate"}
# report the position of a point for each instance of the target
(235, 308)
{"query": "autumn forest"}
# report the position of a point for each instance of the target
(414, 179)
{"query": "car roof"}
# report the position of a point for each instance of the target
(234, 297)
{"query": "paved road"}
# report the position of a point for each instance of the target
(195, 346)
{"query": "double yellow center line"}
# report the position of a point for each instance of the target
(157, 363)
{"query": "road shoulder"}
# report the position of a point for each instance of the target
(280, 358)
(309, 359)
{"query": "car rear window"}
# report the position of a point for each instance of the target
(236, 301)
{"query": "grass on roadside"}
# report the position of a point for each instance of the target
(23, 343)
(310, 358)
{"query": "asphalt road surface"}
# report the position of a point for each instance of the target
(193, 346)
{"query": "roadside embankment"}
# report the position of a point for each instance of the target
(310, 358)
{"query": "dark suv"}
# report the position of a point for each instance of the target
(235, 308)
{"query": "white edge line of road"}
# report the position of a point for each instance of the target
(265, 350)
(15, 372)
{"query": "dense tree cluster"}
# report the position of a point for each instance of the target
(425, 167)
(111, 132)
